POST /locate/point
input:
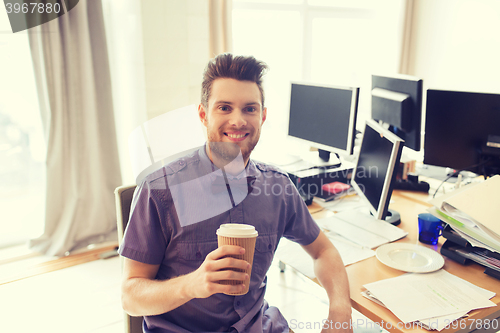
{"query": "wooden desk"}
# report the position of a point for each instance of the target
(409, 205)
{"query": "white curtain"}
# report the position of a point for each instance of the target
(406, 41)
(220, 37)
(72, 72)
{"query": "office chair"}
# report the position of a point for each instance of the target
(123, 198)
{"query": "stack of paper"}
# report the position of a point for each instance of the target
(473, 212)
(432, 300)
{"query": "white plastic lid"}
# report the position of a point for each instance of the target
(237, 230)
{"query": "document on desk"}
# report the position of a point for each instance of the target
(294, 255)
(421, 297)
(437, 323)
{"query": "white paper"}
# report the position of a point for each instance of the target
(436, 323)
(364, 220)
(414, 296)
(349, 252)
(294, 255)
(355, 234)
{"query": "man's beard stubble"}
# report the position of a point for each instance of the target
(228, 151)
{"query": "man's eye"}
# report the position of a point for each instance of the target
(251, 109)
(224, 108)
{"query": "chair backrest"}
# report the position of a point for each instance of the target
(123, 198)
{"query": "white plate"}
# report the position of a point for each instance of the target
(410, 257)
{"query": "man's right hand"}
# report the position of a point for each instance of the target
(143, 295)
(219, 265)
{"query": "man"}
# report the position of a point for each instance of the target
(172, 264)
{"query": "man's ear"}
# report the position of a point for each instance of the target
(202, 113)
(264, 115)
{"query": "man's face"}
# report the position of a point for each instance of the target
(233, 119)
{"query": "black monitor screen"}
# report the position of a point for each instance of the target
(379, 154)
(324, 116)
(457, 128)
(397, 101)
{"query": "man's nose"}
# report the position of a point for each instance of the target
(237, 118)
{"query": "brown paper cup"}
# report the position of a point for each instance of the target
(248, 244)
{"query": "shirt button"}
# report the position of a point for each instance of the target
(269, 246)
(238, 303)
(181, 162)
(198, 255)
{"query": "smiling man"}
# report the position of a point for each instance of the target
(235, 115)
(172, 269)
(232, 107)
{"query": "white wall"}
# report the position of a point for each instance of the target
(456, 44)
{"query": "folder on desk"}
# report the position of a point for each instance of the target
(472, 212)
(473, 231)
(460, 250)
(477, 202)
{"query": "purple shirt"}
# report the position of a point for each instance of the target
(157, 235)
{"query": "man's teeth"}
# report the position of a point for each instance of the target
(236, 136)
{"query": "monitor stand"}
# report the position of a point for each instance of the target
(393, 217)
(321, 160)
(325, 155)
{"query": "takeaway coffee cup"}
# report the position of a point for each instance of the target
(243, 235)
(429, 228)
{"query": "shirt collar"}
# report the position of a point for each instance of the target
(250, 170)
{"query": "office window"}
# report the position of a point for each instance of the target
(337, 42)
(22, 144)
(253, 36)
(343, 3)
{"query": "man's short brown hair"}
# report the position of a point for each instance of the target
(242, 68)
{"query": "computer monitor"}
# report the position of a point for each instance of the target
(462, 131)
(397, 101)
(324, 117)
(375, 170)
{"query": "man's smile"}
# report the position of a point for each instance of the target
(236, 136)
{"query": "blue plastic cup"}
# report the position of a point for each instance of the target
(429, 228)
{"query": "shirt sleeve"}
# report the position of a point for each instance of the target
(144, 240)
(300, 226)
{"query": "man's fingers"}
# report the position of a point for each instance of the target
(229, 275)
(221, 265)
(226, 250)
(227, 263)
(228, 288)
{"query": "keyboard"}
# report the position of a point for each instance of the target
(362, 229)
